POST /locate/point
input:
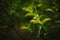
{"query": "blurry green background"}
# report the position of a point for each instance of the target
(29, 20)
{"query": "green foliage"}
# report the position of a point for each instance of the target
(33, 16)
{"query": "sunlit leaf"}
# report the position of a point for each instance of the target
(36, 19)
(49, 9)
(39, 5)
(45, 20)
(25, 28)
(29, 14)
(29, 9)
